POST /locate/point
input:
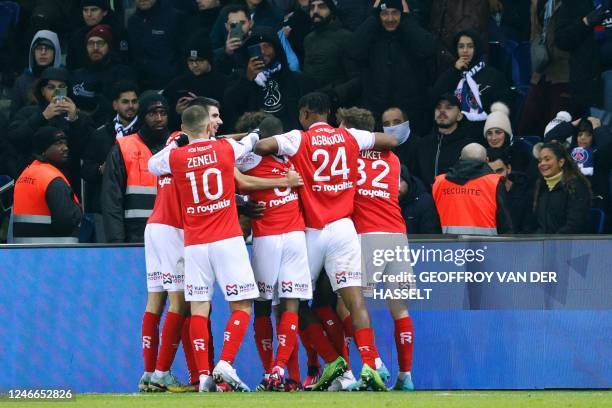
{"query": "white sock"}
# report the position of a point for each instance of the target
(149, 373)
(160, 373)
(378, 363)
(403, 374)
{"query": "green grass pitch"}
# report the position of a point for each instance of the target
(444, 399)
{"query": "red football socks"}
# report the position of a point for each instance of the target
(315, 337)
(210, 344)
(287, 337)
(333, 327)
(171, 336)
(198, 330)
(236, 328)
(312, 357)
(263, 340)
(293, 365)
(364, 339)
(404, 335)
(188, 350)
(150, 340)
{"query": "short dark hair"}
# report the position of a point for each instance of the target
(235, 8)
(498, 153)
(204, 102)
(121, 87)
(249, 121)
(357, 118)
(270, 126)
(316, 102)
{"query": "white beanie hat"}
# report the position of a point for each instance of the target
(562, 116)
(498, 118)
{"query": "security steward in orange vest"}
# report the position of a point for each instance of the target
(45, 209)
(128, 189)
(470, 198)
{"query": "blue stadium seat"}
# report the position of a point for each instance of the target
(598, 220)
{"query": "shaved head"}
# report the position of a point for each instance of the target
(474, 151)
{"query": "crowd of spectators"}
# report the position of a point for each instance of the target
(439, 74)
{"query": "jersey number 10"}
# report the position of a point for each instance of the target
(208, 173)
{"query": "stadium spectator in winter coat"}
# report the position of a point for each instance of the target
(549, 92)
(52, 108)
(128, 189)
(476, 84)
(45, 209)
(267, 84)
(45, 51)
(498, 134)
(562, 194)
(590, 147)
(95, 12)
(418, 207)
(201, 79)
(125, 122)
(325, 56)
(261, 12)
(393, 51)
(92, 84)
(519, 190)
(435, 153)
(586, 33)
(155, 33)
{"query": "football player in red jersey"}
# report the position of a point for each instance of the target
(326, 158)
(380, 225)
(203, 171)
(279, 261)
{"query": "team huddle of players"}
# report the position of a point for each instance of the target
(323, 190)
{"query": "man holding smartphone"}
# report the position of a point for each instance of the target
(238, 25)
(53, 108)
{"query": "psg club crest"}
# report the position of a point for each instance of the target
(231, 290)
(581, 155)
(287, 287)
(340, 277)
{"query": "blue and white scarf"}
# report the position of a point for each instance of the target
(264, 75)
(468, 94)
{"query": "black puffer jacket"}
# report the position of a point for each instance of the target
(395, 68)
(564, 210)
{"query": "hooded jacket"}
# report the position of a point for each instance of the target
(466, 170)
(418, 207)
(281, 94)
(24, 82)
(492, 85)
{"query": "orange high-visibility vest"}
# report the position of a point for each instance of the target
(467, 209)
(141, 186)
(31, 214)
